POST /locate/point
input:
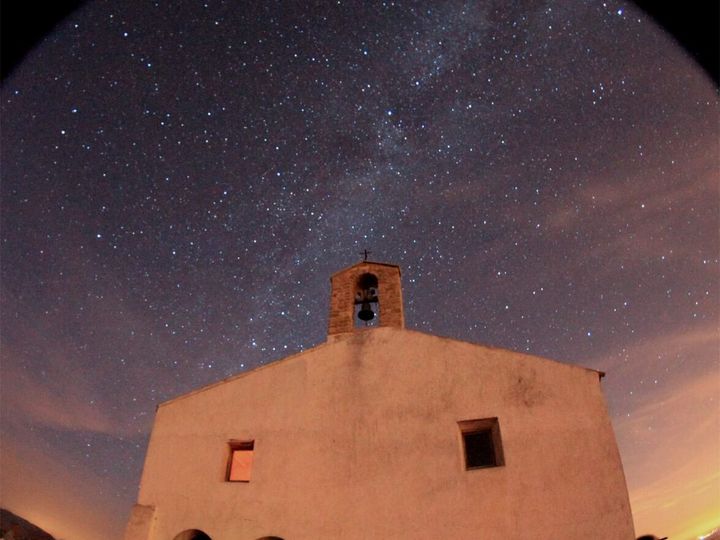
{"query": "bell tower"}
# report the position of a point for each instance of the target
(364, 294)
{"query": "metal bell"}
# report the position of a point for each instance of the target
(366, 314)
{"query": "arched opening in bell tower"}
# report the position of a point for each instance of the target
(367, 304)
(192, 534)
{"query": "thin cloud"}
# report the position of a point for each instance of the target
(63, 501)
(51, 403)
(674, 458)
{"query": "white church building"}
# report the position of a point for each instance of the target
(386, 433)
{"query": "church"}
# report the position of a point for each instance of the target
(385, 432)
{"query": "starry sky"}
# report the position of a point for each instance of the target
(179, 180)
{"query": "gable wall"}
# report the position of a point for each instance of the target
(359, 439)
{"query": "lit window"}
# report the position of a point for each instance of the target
(240, 462)
(481, 443)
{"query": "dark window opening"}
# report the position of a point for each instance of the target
(479, 449)
(481, 443)
(240, 462)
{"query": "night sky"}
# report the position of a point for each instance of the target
(179, 180)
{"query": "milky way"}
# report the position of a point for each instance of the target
(180, 180)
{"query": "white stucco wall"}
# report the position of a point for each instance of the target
(358, 439)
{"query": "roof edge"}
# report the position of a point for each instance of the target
(365, 262)
(239, 375)
(339, 337)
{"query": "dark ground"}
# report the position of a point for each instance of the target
(20, 528)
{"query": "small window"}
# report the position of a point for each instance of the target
(481, 443)
(240, 462)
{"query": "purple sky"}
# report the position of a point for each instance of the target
(180, 180)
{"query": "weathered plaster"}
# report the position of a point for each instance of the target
(358, 438)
